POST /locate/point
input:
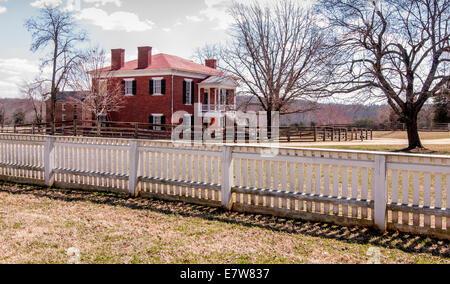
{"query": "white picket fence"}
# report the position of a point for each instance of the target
(409, 193)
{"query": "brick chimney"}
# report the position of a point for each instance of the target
(117, 59)
(144, 57)
(211, 63)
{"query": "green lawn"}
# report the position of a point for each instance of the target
(39, 225)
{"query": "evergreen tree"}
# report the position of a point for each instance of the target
(19, 117)
(442, 107)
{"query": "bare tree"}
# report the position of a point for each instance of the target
(387, 118)
(394, 49)
(208, 51)
(56, 31)
(37, 92)
(103, 93)
(280, 54)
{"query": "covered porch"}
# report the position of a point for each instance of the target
(216, 96)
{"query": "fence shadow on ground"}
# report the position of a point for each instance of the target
(353, 235)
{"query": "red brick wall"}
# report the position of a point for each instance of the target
(144, 57)
(69, 111)
(138, 108)
(211, 63)
(117, 59)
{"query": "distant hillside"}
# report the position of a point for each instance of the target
(11, 105)
(323, 114)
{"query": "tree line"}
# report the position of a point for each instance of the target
(389, 51)
(57, 36)
(394, 52)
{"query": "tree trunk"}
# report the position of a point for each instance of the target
(269, 124)
(52, 113)
(413, 134)
(54, 89)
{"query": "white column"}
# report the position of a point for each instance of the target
(380, 187)
(209, 99)
(49, 160)
(215, 99)
(200, 108)
(134, 165)
(227, 176)
(220, 99)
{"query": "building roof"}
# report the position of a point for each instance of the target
(70, 96)
(166, 61)
(220, 80)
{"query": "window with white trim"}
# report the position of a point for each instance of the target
(63, 107)
(157, 119)
(157, 86)
(129, 87)
(188, 92)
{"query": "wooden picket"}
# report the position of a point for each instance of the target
(409, 193)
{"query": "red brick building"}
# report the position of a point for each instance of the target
(69, 107)
(158, 86)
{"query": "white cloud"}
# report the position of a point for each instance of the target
(117, 21)
(216, 10)
(2, 8)
(43, 3)
(12, 73)
(194, 18)
(73, 4)
(97, 3)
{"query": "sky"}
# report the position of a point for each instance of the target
(170, 26)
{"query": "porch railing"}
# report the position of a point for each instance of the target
(217, 108)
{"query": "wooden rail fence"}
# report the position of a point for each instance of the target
(155, 131)
(409, 193)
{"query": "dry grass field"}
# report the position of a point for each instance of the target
(39, 225)
(434, 149)
(392, 142)
(403, 135)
